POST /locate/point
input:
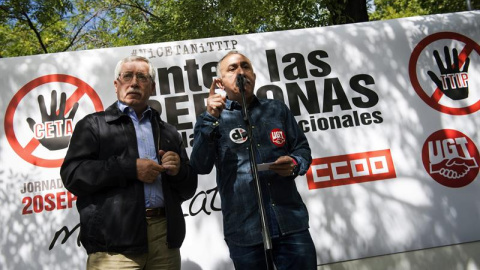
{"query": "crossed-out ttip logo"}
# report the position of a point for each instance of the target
(451, 158)
(39, 120)
(443, 70)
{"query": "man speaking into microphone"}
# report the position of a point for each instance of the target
(281, 151)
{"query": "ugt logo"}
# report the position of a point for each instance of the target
(277, 136)
(451, 158)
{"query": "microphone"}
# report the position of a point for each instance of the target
(241, 87)
(241, 82)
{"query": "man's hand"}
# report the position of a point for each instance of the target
(170, 162)
(215, 102)
(56, 142)
(148, 170)
(283, 166)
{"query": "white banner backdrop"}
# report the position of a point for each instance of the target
(389, 108)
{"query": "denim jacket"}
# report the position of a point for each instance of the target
(222, 142)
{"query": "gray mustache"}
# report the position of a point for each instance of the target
(134, 92)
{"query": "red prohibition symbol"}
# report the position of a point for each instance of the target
(26, 151)
(433, 100)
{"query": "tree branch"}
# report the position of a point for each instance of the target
(142, 9)
(37, 34)
(72, 40)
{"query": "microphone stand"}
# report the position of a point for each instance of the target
(267, 241)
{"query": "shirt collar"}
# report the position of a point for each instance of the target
(234, 105)
(127, 110)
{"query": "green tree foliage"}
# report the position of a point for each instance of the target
(139, 21)
(45, 26)
(347, 11)
(392, 9)
(32, 27)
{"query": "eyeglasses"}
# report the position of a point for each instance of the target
(128, 77)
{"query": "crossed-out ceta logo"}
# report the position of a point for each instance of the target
(41, 116)
(444, 72)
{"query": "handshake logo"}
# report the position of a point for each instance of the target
(454, 168)
(451, 158)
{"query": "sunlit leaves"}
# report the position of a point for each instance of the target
(391, 9)
(33, 27)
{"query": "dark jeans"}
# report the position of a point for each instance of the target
(293, 252)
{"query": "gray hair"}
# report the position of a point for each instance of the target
(133, 58)
(219, 73)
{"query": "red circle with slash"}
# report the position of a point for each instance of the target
(26, 152)
(433, 100)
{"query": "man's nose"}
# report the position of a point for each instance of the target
(134, 80)
(241, 73)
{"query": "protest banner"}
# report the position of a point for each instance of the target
(390, 109)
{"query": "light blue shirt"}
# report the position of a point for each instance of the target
(146, 149)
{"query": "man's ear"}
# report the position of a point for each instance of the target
(116, 86)
(153, 89)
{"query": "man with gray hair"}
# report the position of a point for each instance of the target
(222, 140)
(130, 173)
